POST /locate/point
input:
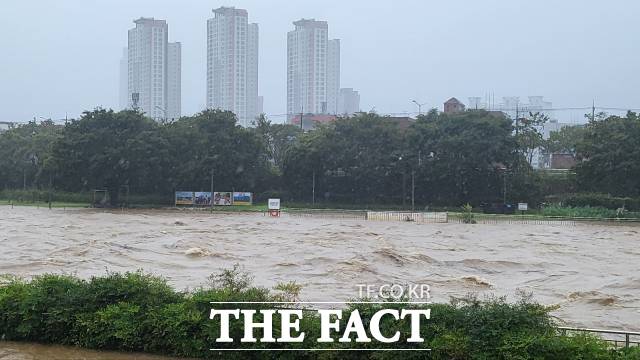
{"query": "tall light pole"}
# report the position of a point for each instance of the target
(419, 106)
(164, 111)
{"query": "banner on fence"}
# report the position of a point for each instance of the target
(202, 199)
(184, 198)
(223, 198)
(242, 198)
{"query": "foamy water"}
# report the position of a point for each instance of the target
(589, 271)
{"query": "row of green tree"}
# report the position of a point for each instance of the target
(442, 159)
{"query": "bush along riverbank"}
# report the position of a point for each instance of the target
(139, 312)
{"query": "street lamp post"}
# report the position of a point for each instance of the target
(413, 190)
(164, 111)
(419, 106)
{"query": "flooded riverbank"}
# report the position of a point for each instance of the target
(589, 271)
(22, 351)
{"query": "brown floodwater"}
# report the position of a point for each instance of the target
(590, 271)
(21, 351)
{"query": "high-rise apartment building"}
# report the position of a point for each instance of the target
(174, 80)
(232, 64)
(333, 76)
(124, 80)
(313, 69)
(153, 70)
(348, 102)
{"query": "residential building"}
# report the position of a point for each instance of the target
(309, 121)
(232, 64)
(149, 66)
(453, 105)
(123, 92)
(333, 76)
(348, 101)
(6, 125)
(260, 108)
(174, 81)
(313, 69)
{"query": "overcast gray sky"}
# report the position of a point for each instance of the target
(62, 56)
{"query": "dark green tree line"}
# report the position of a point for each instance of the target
(609, 155)
(442, 159)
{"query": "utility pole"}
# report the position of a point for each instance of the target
(302, 118)
(593, 111)
(313, 188)
(517, 117)
(212, 188)
(504, 187)
(413, 190)
(50, 187)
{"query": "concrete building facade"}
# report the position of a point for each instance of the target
(149, 69)
(348, 102)
(174, 81)
(313, 69)
(123, 92)
(453, 106)
(232, 64)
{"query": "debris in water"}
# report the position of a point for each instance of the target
(195, 252)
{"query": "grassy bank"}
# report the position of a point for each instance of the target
(589, 212)
(138, 312)
(40, 198)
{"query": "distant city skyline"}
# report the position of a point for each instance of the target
(430, 53)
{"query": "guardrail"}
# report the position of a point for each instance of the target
(617, 338)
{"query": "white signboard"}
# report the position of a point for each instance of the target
(523, 206)
(274, 204)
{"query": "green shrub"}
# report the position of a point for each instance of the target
(139, 312)
(467, 214)
(132, 287)
(42, 310)
(116, 327)
(172, 328)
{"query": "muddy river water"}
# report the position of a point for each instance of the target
(591, 271)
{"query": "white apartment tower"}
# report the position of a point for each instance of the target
(174, 106)
(313, 69)
(232, 64)
(124, 80)
(153, 70)
(333, 76)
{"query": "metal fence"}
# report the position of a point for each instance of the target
(328, 214)
(617, 339)
(417, 217)
(513, 219)
(455, 218)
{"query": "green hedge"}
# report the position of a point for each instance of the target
(42, 196)
(139, 312)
